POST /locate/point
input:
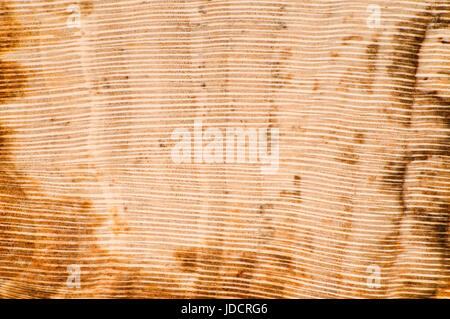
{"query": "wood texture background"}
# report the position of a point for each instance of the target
(87, 113)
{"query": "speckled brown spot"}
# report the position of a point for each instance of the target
(86, 6)
(16, 229)
(9, 37)
(405, 60)
(348, 155)
(352, 38)
(210, 261)
(243, 271)
(12, 80)
(394, 173)
(187, 258)
(359, 138)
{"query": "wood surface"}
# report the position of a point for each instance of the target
(92, 91)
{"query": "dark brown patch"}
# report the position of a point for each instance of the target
(281, 25)
(12, 75)
(372, 54)
(16, 227)
(282, 261)
(279, 267)
(39, 236)
(426, 235)
(210, 261)
(187, 258)
(87, 6)
(9, 30)
(394, 174)
(239, 286)
(297, 180)
(405, 60)
(425, 222)
(316, 85)
(438, 106)
(348, 155)
(441, 17)
(247, 261)
(359, 138)
(296, 193)
(352, 38)
(429, 105)
(133, 283)
(12, 80)
(64, 234)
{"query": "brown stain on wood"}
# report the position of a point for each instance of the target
(296, 194)
(39, 236)
(348, 153)
(64, 235)
(394, 174)
(372, 51)
(9, 38)
(427, 225)
(405, 60)
(211, 260)
(12, 80)
(279, 266)
(86, 6)
(240, 272)
(206, 263)
(16, 230)
(352, 38)
(187, 258)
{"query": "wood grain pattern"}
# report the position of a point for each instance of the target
(91, 92)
